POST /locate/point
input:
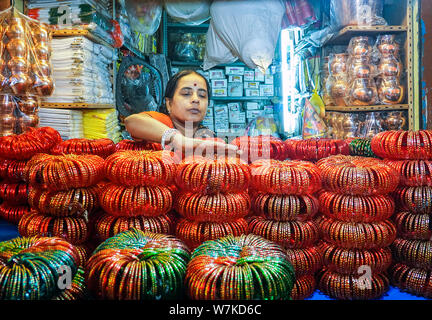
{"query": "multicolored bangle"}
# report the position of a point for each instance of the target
(413, 280)
(412, 226)
(414, 253)
(304, 287)
(306, 261)
(414, 199)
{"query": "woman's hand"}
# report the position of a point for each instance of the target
(198, 147)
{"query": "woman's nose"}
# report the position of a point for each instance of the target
(195, 97)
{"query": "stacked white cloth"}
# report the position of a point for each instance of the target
(69, 123)
(81, 71)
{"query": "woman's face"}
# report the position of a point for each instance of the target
(190, 99)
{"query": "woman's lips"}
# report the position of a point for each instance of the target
(194, 111)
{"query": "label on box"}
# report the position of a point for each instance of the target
(221, 111)
(241, 126)
(221, 125)
(252, 92)
(252, 114)
(252, 85)
(235, 78)
(268, 109)
(235, 71)
(219, 83)
(234, 106)
(235, 89)
(209, 112)
(207, 121)
(252, 105)
(259, 76)
(249, 75)
(267, 90)
(237, 117)
(216, 74)
(268, 79)
(220, 92)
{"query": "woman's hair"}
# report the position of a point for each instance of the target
(172, 86)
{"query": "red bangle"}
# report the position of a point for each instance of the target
(352, 287)
(285, 177)
(12, 170)
(14, 193)
(141, 168)
(137, 145)
(357, 175)
(74, 202)
(12, 213)
(413, 173)
(203, 175)
(414, 199)
(195, 233)
(73, 230)
(413, 280)
(100, 147)
(212, 208)
(285, 207)
(306, 261)
(64, 172)
(107, 226)
(304, 287)
(357, 235)
(315, 149)
(259, 147)
(356, 208)
(125, 201)
(290, 235)
(348, 261)
(413, 226)
(414, 253)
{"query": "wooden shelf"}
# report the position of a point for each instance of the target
(199, 63)
(368, 108)
(80, 32)
(55, 105)
(240, 98)
(179, 25)
(344, 35)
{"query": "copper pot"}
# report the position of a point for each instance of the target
(19, 83)
(28, 105)
(40, 33)
(389, 66)
(386, 44)
(395, 120)
(7, 104)
(390, 91)
(359, 46)
(43, 86)
(43, 68)
(339, 90)
(7, 122)
(15, 29)
(17, 48)
(360, 67)
(18, 65)
(42, 51)
(338, 64)
(363, 92)
(28, 121)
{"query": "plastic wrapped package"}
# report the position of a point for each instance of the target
(298, 13)
(363, 92)
(25, 53)
(338, 88)
(387, 44)
(337, 64)
(360, 46)
(356, 13)
(190, 13)
(18, 113)
(144, 17)
(361, 67)
(390, 90)
(249, 30)
(371, 126)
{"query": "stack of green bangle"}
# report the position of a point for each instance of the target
(78, 289)
(361, 147)
(247, 267)
(137, 265)
(30, 268)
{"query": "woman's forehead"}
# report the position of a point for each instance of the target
(191, 81)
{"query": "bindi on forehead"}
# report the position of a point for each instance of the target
(195, 84)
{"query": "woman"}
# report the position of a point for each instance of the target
(186, 101)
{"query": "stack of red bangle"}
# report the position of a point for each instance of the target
(315, 149)
(410, 154)
(15, 153)
(284, 208)
(261, 147)
(101, 147)
(139, 194)
(63, 193)
(355, 226)
(137, 145)
(212, 198)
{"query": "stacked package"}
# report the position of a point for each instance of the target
(139, 193)
(81, 71)
(284, 206)
(213, 198)
(63, 196)
(25, 71)
(355, 226)
(412, 250)
(15, 152)
(101, 123)
(69, 123)
(83, 14)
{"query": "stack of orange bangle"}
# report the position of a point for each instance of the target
(13, 213)
(261, 147)
(413, 253)
(101, 147)
(304, 286)
(413, 280)
(137, 145)
(413, 173)
(14, 193)
(413, 226)
(414, 199)
(315, 149)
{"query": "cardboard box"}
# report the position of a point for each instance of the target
(250, 105)
(208, 122)
(216, 74)
(237, 117)
(252, 85)
(252, 114)
(268, 109)
(219, 83)
(220, 92)
(221, 125)
(269, 79)
(249, 75)
(266, 90)
(234, 71)
(209, 112)
(259, 76)
(235, 89)
(234, 106)
(235, 78)
(220, 111)
(252, 92)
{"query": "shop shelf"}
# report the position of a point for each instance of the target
(178, 25)
(199, 63)
(345, 34)
(58, 105)
(80, 32)
(241, 98)
(367, 108)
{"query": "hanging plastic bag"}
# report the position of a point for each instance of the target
(356, 13)
(216, 52)
(249, 29)
(190, 13)
(313, 125)
(145, 16)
